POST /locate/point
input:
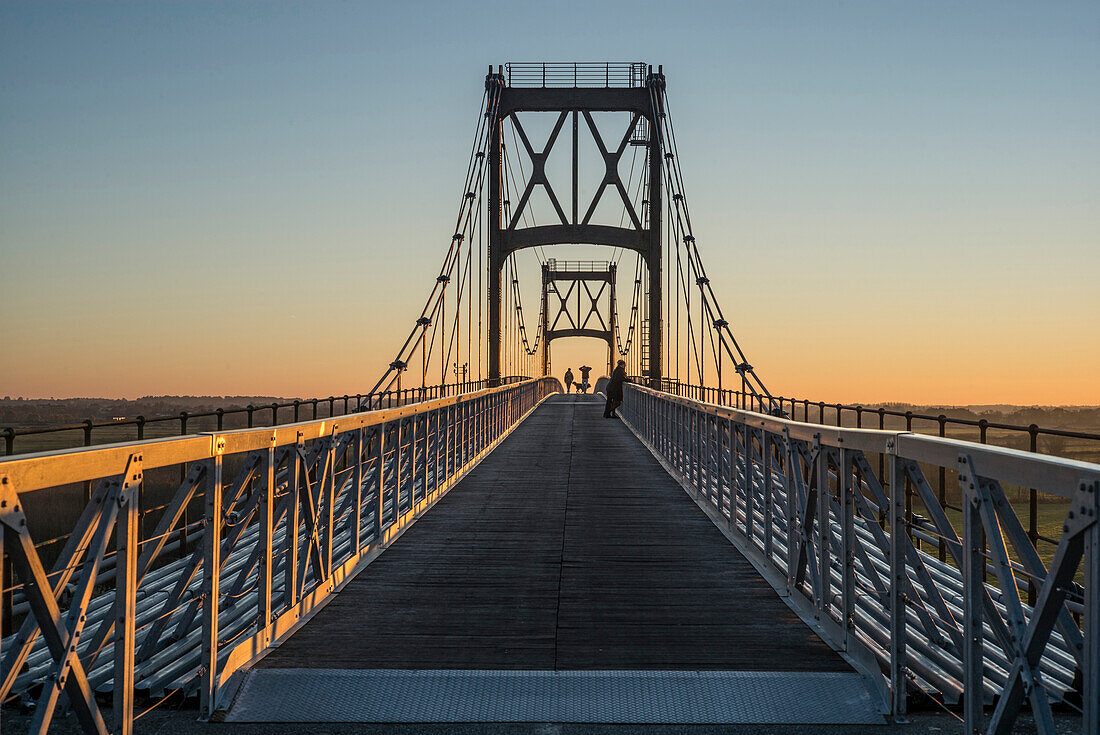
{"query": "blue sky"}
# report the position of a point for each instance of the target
(896, 201)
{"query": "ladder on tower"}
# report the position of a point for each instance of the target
(643, 326)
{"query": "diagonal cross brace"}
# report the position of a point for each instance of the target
(538, 170)
(611, 175)
(1024, 678)
(167, 522)
(64, 569)
(594, 307)
(74, 623)
(26, 562)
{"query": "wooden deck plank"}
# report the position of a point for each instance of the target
(567, 548)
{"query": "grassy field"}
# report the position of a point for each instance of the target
(1050, 517)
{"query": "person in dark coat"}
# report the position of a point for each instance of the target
(615, 390)
(568, 380)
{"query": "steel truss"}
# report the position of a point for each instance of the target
(291, 512)
(574, 101)
(804, 503)
(586, 308)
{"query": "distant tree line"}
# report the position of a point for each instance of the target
(38, 412)
(1075, 418)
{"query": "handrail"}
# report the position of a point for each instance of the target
(252, 413)
(576, 75)
(739, 399)
(956, 629)
(290, 513)
(940, 424)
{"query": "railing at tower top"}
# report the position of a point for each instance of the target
(284, 515)
(956, 629)
(577, 266)
(579, 74)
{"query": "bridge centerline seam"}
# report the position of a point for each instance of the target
(564, 527)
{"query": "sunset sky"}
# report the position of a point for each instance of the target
(895, 201)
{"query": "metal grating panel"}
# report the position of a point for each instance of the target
(687, 697)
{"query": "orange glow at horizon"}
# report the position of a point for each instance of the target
(893, 202)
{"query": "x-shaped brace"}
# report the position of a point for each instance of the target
(538, 170)
(43, 604)
(611, 175)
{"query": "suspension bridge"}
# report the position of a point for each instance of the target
(467, 542)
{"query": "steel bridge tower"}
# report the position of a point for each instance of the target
(576, 91)
(585, 308)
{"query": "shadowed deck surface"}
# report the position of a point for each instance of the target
(568, 548)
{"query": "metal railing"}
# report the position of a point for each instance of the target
(882, 418)
(572, 266)
(90, 432)
(806, 505)
(288, 514)
(582, 74)
(93, 433)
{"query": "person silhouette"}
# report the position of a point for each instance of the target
(585, 370)
(568, 379)
(615, 390)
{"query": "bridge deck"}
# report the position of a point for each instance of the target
(568, 549)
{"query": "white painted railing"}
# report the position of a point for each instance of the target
(289, 512)
(804, 502)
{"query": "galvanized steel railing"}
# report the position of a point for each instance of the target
(841, 414)
(88, 432)
(579, 74)
(769, 483)
(289, 513)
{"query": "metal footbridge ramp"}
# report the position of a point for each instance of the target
(669, 567)
(568, 578)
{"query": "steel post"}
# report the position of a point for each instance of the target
(125, 603)
(973, 600)
(496, 259)
(898, 633)
(211, 572)
(1090, 659)
(265, 608)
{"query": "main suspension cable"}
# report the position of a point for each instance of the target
(474, 176)
(709, 307)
